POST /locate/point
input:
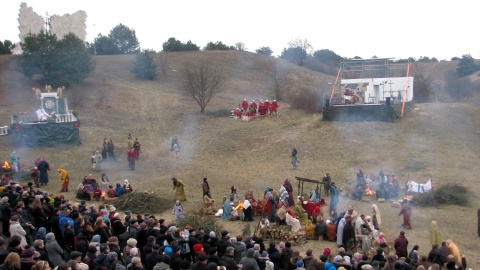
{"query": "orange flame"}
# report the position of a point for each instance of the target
(239, 206)
(368, 191)
(6, 166)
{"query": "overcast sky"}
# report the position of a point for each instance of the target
(400, 29)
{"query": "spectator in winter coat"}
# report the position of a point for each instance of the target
(248, 262)
(54, 251)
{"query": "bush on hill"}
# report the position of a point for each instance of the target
(445, 194)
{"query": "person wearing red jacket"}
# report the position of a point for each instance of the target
(238, 112)
(245, 104)
(131, 159)
(262, 109)
(267, 105)
(254, 106)
(274, 107)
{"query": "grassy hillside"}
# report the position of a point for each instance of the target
(438, 140)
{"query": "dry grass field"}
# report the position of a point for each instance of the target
(440, 140)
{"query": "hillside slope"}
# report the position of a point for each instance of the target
(440, 141)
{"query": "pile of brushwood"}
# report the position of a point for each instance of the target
(143, 202)
(196, 220)
(445, 194)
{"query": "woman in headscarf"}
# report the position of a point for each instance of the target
(435, 237)
(376, 217)
(381, 242)
(233, 195)
(289, 188)
(270, 205)
(300, 212)
(179, 188)
(65, 179)
(454, 251)
(227, 209)
(292, 221)
(247, 211)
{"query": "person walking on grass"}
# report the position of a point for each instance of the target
(293, 155)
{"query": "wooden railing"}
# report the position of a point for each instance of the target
(4, 130)
(61, 118)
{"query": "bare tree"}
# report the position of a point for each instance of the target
(280, 81)
(240, 46)
(302, 44)
(203, 81)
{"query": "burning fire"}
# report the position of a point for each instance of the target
(369, 192)
(239, 206)
(6, 166)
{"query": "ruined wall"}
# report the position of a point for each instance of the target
(31, 22)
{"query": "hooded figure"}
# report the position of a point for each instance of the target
(288, 186)
(179, 188)
(178, 211)
(435, 237)
(227, 210)
(65, 179)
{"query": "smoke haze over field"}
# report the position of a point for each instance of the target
(349, 28)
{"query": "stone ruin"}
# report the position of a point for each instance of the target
(31, 22)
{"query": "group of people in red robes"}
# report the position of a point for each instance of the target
(250, 109)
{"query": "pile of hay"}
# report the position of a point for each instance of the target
(445, 194)
(143, 202)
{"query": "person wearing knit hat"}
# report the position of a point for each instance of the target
(327, 252)
(269, 265)
(167, 250)
(198, 248)
(112, 256)
(300, 264)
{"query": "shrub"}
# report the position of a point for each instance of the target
(445, 194)
(196, 220)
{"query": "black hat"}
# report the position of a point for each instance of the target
(132, 221)
(175, 248)
(224, 233)
(128, 212)
(156, 246)
(75, 254)
(202, 257)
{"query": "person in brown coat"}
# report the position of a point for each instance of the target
(401, 244)
(310, 263)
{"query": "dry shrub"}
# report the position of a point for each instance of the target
(303, 99)
(143, 202)
(445, 194)
(196, 220)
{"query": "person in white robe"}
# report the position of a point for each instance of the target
(292, 221)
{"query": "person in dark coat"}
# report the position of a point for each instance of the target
(227, 260)
(274, 256)
(43, 167)
(348, 236)
(6, 213)
(201, 263)
(286, 255)
(288, 186)
(401, 245)
(81, 244)
(223, 243)
(309, 261)
(153, 258)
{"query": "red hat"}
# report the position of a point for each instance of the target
(139, 216)
(198, 248)
(188, 227)
(326, 252)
